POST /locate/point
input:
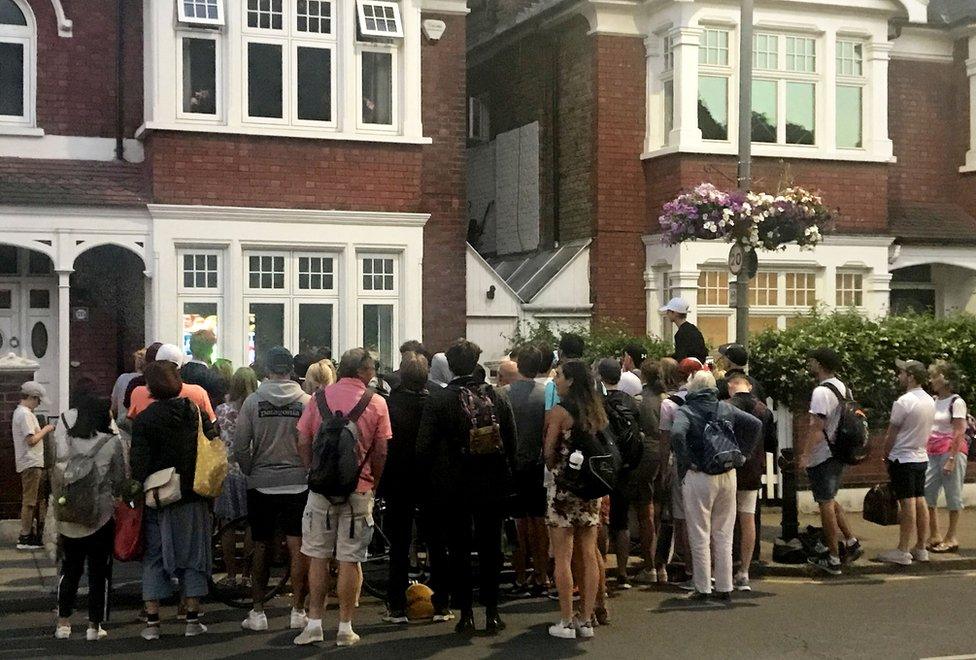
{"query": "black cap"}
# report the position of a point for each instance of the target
(827, 357)
(735, 353)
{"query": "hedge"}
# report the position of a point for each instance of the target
(868, 348)
(603, 338)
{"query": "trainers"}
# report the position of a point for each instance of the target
(396, 616)
(920, 554)
(96, 633)
(517, 591)
(698, 599)
(255, 621)
(310, 635)
(722, 597)
(443, 615)
(687, 585)
(646, 576)
(563, 630)
(741, 583)
(896, 556)
(194, 628)
(851, 553)
(584, 629)
(623, 582)
(150, 633)
(62, 632)
(662, 576)
(346, 638)
(299, 619)
(824, 563)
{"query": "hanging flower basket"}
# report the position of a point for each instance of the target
(756, 220)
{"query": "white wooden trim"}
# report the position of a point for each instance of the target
(247, 214)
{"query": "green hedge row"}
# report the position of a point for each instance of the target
(603, 338)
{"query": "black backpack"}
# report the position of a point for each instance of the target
(850, 443)
(626, 428)
(335, 466)
(600, 471)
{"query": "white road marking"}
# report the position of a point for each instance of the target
(952, 657)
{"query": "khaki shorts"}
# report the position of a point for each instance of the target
(34, 487)
(746, 500)
(342, 531)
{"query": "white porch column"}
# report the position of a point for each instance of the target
(879, 299)
(233, 324)
(970, 165)
(878, 54)
(64, 338)
(685, 51)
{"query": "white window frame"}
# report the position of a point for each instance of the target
(782, 76)
(718, 70)
(840, 291)
(337, 267)
(285, 77)
(394, 320)
(182, 36)
(330, 46)
(394, 126)
(479, 121)
(26, 36)
(859, 81)
(214, 299)
(381, 293)
(379, 34)
(332, 22)
(194, 290)
(269, 31)
(260, 291)
(182, 17)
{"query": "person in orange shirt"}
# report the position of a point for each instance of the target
(141, 398)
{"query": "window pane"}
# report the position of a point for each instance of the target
(264, 80)
(266, 325)
(200, 76)
(668, 109)
(765, 52)
(377, 88)
(849, 117)
(758, 324)
(314, 328)
(378, 331)
(198, 316)
(714, 328)
(764, 110)
(713, 107)
(800, 111)
(315, 84)
(12, 79)
(10, 13)
(8, 260)
(39, 263)
(40, 299)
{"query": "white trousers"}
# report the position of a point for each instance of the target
(710, 518)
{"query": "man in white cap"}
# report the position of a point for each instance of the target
(688, 339)
(28, 439)
(141, 397)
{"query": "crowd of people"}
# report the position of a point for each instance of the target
(312, 443)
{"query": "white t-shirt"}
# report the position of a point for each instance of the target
(942, 422)
(913, 414)
(630, 383)
(25, 424)
(825, 404)
(668, 410)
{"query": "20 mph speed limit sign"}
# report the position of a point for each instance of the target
(740, 258)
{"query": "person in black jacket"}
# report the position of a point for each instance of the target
(469, 478)
(177, 537)
(749, 476)
(734, 358)
(398, 485)
(199, 370)
(688, 339)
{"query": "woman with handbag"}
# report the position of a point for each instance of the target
(84, 510)
(572, 520)
(178, 522)
(947, 449)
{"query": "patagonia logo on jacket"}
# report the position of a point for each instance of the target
(266, 409)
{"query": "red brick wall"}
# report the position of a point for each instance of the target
(617, 260)
(76, 76)
(10, 382)
(443, 184)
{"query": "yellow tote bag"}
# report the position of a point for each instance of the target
(208, 480)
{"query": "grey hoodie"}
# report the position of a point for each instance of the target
(266, 438)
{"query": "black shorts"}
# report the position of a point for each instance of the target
(907, 479)
(619, 512)
(269, 513)
(530, 493)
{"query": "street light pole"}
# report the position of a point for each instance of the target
(744, 169)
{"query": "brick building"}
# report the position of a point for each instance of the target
(284, 172)
(621, 105)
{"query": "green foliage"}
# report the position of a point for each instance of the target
(603, 339)
(868, 348)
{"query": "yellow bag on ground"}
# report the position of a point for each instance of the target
(211, 470)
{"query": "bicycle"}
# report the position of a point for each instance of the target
(376, 568)
(238, 593)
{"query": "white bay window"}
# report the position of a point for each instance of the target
(18, 45)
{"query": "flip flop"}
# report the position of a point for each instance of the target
(942, 548)
(932, 546)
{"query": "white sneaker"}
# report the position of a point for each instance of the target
(646, 576)
(687, 585)
(95, 634)
(299, 619)
(62, 632)
(310, 635)
(194, 629)
(256, 621)
(584, 630)
(896, 556)
(920, 554)
(741, 583)
(562, 630)
(150, 633)
(662, 576)
(346, 639)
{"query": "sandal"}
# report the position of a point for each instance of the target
(942, 548)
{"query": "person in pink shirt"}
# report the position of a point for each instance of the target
(343, 531)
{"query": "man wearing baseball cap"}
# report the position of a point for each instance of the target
(733, 359)
(28, 437)
(905, 447)
(688, 339)
(142, 399)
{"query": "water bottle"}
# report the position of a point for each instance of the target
(576, 460)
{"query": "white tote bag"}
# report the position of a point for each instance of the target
(162, 488)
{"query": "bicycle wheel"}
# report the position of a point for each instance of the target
(376, 568)
(232, 558)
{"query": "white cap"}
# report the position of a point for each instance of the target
(630, 383)
(679, 305)
(33, 388)
(170, 353)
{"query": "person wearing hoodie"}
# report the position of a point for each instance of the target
(709, 498)
(177, 537)
(266, 448)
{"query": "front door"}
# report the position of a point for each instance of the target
(28, 328)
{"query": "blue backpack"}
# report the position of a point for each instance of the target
(714, 450)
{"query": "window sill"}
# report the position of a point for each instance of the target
(24, 131)
(283, 132)
(773, 151)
